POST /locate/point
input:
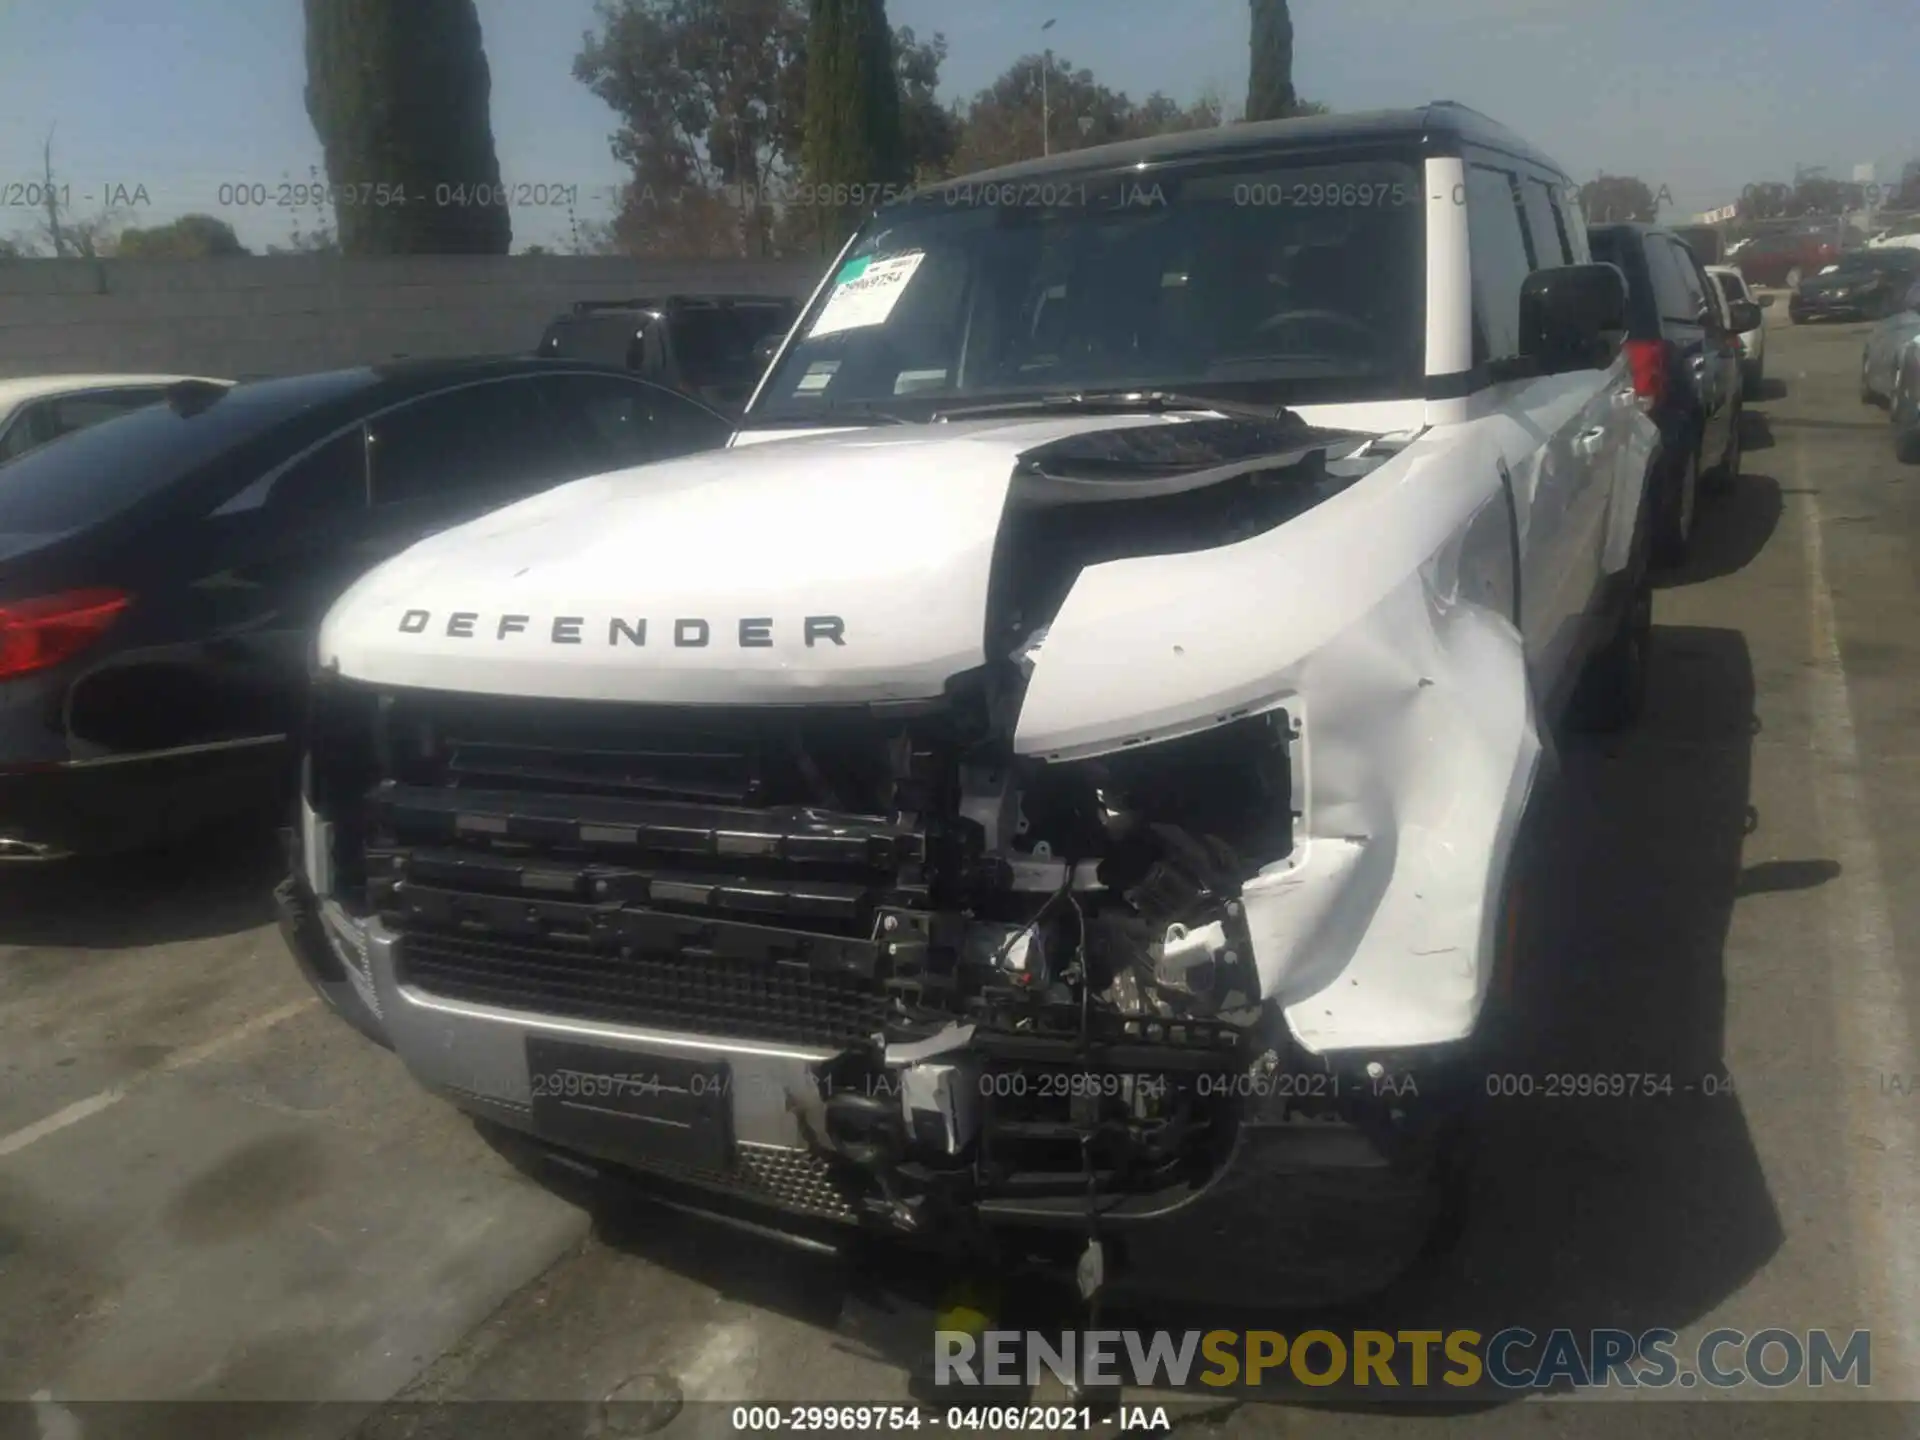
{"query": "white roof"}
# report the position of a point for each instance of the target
(17, 392)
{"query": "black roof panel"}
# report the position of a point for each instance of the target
(1441, 128)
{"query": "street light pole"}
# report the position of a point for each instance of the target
(1046, 105)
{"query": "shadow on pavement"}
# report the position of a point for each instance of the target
(1636, 1211)
(1772, 389)
(1772, 877)
(1730, 530)
(1756, 431)
(217, 884)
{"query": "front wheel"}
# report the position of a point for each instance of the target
(1906, 417)
(1612, 693)
(1723, 476)
(1674, 537)
(1867, 397)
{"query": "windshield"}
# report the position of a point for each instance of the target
(1869, 262)
(1268, 281)
(604, 339)
(102, 470)
(715, 346)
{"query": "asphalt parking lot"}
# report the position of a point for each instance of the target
(212, 1190)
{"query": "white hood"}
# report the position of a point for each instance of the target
(840, 567)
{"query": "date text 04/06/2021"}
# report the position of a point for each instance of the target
(961, 1419)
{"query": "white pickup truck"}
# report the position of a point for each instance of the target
(1051, 781)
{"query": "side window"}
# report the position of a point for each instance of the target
(471, 441)
(1670, 282)
(1543, 225)
(1500, 260)
(622, 422)
(1573, 223)
(331, 480)
(68, 413)
(24, 432)
(1693, 281)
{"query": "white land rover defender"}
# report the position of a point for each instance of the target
(1055, 774)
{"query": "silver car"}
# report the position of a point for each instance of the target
(1888, 341)
(1733, 288)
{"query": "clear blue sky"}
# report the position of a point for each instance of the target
(1700, 96)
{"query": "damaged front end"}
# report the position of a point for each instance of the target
(899, 972)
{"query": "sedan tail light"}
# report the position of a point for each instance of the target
(40, 633)
(1649, 361)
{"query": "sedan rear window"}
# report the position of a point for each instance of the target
(98, 472)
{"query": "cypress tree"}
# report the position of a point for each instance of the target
(400, 95)
(852, 143)
(1270, 76)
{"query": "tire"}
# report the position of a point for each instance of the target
(1867, 396)
(1905, 415)
(1673, 534)
(1612, 692)
(1724, 476)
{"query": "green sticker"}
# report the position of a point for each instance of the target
(853, 270)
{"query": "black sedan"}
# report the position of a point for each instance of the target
(1860, 285)
(161, 573)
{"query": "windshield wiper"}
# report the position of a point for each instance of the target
(1116, 402)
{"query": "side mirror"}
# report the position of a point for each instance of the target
(1572, 317)
(1744, 315)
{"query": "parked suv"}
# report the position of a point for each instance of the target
(1070, 796)
(1685, 351)
(1705, 241)
(712, 347)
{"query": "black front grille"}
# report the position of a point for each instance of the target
(718, 872)
(705, 994)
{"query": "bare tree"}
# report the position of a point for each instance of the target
(67, 236)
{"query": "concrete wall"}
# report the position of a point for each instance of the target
(274, 315)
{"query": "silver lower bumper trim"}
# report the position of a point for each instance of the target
(476, 1056)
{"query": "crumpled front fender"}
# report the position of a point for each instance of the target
(1378, 931)
(1381, 622)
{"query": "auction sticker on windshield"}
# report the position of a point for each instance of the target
(865, 292)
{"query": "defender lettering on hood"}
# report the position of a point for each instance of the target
(756, 632)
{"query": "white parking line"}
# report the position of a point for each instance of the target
(1879, 1143)
(180, 1060)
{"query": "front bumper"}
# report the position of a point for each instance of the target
(1819, 307)
(1309, 1210)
